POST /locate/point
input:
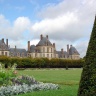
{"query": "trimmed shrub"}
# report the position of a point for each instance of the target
(87, 85)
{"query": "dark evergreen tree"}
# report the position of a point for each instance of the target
(87, 85)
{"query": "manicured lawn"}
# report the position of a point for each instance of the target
(67, 79)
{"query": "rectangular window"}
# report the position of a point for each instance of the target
(5, 53)
(43, 55)
(51, 50)
(51, 55)
(43, 49)
(47, 49)
(22, 55)
(35, 54)
(47, 55)
(2, 53)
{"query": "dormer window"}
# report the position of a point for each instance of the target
(11, 53)
(28, 55)
(22, 54)
(18, 54)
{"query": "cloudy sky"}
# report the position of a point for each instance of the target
(64, 21)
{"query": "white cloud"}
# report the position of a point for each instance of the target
(34, 42)
(17, 31)
(56, 26)
(21, 24)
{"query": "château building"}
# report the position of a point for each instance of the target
(44, 49)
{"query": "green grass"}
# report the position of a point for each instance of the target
(67, 79)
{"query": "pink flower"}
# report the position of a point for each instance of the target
(15, 72)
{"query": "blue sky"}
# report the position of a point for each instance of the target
(64, 21)
(12, 9)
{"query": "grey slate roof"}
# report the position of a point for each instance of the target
(60, 54)
(3, 46)
(18, 50)
(44, 42)
(32, 48)
(73, 50)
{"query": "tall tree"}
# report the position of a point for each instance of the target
(87, 85)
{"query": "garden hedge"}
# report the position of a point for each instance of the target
(41, 62)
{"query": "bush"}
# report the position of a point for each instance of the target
(6, 75)
(87, 85)
(24, 80)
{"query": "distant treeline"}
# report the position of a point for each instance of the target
(41, 62)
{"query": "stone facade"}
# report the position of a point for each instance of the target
(4, 49)
(44, 49)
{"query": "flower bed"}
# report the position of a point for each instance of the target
(19, 89)
(13, 85)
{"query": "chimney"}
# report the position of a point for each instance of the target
(54, 45)
(7, 42)
(2, 40)
(47, 36)
(68, 49)
(70, 46)
(62, 53)
(41, 37)
(28, 46)
(15, 47)
(62, 50)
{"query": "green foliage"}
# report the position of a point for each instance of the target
(42, 62)
(87, 85)
(6, 75)
(5, 78)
